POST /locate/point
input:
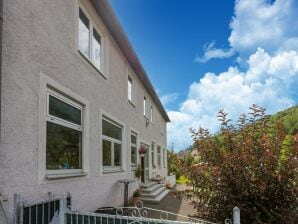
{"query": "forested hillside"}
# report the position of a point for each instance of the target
(289, 118)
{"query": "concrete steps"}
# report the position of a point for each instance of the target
(153, 192)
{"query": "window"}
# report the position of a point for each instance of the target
(145, 106)
(151, 114)
(159, 156)
(133, 149)
(84, 34)
(90, 47)
(129, 88)
(111, 144)
(64, 129)
(164, 158)
(153, 154)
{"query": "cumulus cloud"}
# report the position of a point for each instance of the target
(264, 36)
(211, 52)
(269, 81)
(272, 25)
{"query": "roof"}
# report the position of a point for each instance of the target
(108, 16)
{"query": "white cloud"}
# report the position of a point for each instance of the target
(269, 81)
(168, 98)
(211, 52)
(259, 23)
(264, 36)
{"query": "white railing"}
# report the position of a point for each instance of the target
(130, 215)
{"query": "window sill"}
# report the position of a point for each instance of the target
(113, 171)
(133, 168)
(64, 175)
(91, 63)
(132, 104)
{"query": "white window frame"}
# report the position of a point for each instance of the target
(164, 157)
(92, 25)
(151, 114)
(136, 146)
(145, 106)
(59, 121)
(159, 156)
(59, 91)
(131, 96)
(112, 168)
(153, 164)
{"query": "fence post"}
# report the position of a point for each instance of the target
(62, 210)
(16, 208)
(236, 215)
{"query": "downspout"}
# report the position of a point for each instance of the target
(1, 28)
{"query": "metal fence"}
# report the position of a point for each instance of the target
(48, 209)
(130, 215)
(3, 214)
(56, 210)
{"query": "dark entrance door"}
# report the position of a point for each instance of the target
(143, 168)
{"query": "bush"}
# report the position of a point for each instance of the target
(252, 165)
(136, 193)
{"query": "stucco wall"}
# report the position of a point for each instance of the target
(40, 40)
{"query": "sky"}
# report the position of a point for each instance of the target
(203, 56)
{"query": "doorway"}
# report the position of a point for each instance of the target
(145, 164)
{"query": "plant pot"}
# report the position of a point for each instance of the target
(142, 155)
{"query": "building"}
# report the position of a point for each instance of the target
(76, 105)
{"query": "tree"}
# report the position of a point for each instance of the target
(251, 164)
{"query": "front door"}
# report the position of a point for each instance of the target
(145, 164)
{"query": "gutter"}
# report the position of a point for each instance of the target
(110, 20)
(1, 28)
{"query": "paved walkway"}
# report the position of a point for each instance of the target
(174, 204)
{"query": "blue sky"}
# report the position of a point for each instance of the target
(202, 56)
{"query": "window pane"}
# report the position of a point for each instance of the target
(96, 46)
(133, 160)
(144, 106)
(64, 111)
(152, 154)
(84, 39)
(108, 129)
(106, 153)
(117, 154)
(129, 88)
(133, 139)
(64, 148)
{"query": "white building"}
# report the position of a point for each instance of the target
(76, 105)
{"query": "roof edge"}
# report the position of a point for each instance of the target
(105, 11)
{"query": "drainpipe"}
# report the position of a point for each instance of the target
(1, 28)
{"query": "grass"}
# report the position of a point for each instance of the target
(182, 180)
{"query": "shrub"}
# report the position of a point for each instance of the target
(252, 165)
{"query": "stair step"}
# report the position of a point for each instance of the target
(151, 189)
(154, 193)
(147, 185)
(157, 199)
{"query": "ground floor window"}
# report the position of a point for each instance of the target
(159, 156)
(111, 144)
(164, 158)
(133, 149)
(153, 154)
(64, 130)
